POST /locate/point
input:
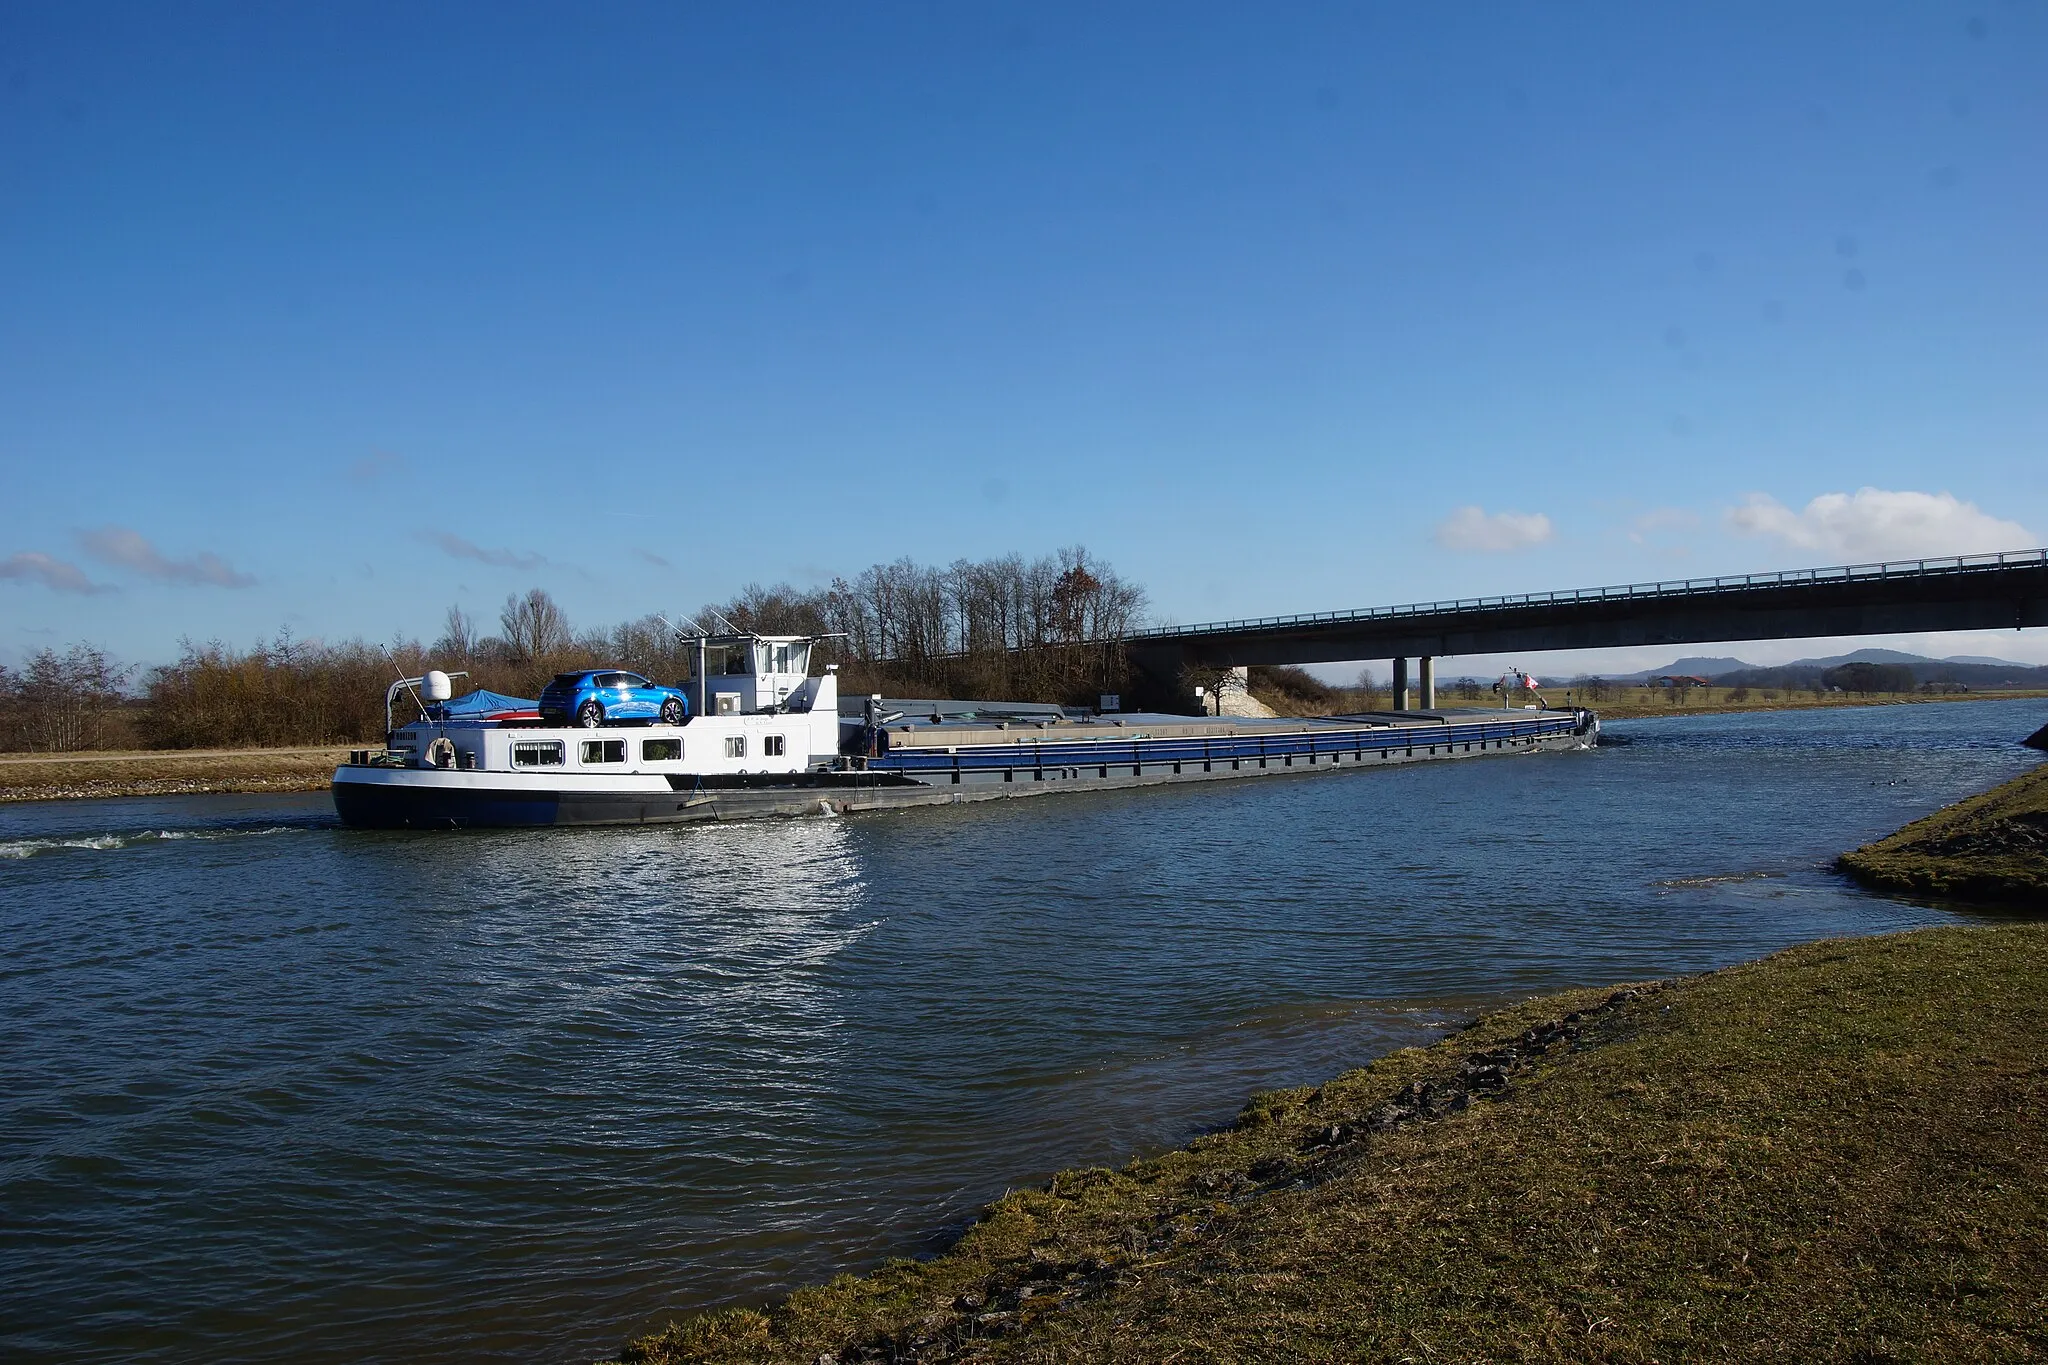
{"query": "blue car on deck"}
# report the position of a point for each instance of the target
(606, 696)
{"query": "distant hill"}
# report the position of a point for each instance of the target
(1804, 673)
(1970, 670)
(1690, 666)
(1867, 656)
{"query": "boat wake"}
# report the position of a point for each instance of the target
(102, 843)
(1717, 879)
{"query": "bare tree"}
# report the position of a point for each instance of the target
(1368, 686)
(1210, 680)
(458, 636)
(534, 626)
(60, 701)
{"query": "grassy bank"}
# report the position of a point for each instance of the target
(1631, 703)
(50, 777)
(1840, 1152)
(1991, 848)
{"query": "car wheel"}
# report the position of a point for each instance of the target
(672, 711)
(590, 715)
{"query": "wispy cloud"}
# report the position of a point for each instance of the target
(1644, 526)
(374, 466)
(1476, 530)
(33, 566)
(457, 547)
(1877, 523)
(652, 558)
(127, 549)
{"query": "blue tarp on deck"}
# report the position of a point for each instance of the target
(483, 705)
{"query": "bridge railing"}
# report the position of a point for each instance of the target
(1907, 568)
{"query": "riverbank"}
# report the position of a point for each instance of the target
(1640, 702)
(1840, 1151)
(1991, 848)
(165, 772)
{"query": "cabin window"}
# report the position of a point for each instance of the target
(771, 746)
(735, 746)
(604, 751)
(537, 754)
(661, 750)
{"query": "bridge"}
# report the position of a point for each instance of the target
(1963, 592)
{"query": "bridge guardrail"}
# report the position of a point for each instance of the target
(1905, 568)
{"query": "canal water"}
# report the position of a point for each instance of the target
(271, 1090)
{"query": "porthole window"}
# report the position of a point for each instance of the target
(771, 746)
(604, 751)
(661, 750)
(735, 746)
(537, 754)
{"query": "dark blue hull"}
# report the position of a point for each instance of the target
(425, 800)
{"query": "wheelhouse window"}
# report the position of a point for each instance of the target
(771, 746)
(604, 751)
(735, 746)
(531, 753)
(726, 660)
(661, 750)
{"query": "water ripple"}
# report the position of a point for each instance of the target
(508, 1096)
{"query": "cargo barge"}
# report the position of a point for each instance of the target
(761, 735)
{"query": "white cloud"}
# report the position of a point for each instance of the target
(56, 575)
(1476, 529)
(120, 546)
(1876, 524)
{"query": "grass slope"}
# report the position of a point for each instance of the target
(1992, 847)
(1840, 1152)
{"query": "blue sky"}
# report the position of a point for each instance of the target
(333, 319)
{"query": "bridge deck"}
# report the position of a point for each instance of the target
(1964, 592)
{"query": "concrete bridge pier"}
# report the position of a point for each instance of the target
(1428, 669)
(1400, 684)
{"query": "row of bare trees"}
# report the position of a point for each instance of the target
(279, 692)
(1031, 630)
(59, 701)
